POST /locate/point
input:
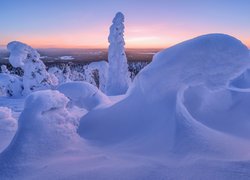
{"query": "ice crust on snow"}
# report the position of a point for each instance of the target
(45, 126)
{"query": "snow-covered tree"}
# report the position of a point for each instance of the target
(67, 73)
(4, 69)
(35, 75)
(118, 75)
(99, 69)
(57, 73)
(10, 85)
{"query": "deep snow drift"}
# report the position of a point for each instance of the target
(8, 126)
(182, 118)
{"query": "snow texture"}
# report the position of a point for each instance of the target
(185, 116)
(8, 126)
(118, 75)
(100, 67)
(84, 95)
(35, 75)
(157, 120)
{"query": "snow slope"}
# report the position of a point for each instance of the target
(8, 126)
(180, 119)
(84, 95)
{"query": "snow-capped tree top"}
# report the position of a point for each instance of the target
(119, 18)
(117, 30)
(20, 53)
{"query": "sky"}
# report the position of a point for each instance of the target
(148, 23)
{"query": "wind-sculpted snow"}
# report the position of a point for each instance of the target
(8, 126)
(118, 75)
(185, 116)
(157, 117)
(211, 60)
(84, 95)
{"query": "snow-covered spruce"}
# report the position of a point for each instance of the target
(97, 71)
(10, 85)
(8, 126)
(35, 75)
(118, 74)
(84, 95)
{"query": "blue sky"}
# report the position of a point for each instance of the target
(149, 23)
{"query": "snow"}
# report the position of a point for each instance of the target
(4, 69)
(84, 95)
(45, 126)
(118, 75)
(102, 68)
(35, 75)
(185, 116)
(66, 58)
(8, 126)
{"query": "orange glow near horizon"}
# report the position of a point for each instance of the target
(135, 37)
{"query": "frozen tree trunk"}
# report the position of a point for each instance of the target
(118, 75)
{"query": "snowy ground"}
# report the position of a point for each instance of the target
(185, 116)
(16, 104)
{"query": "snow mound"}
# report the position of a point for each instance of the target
(45, 127)
(35, 75)
(118, 74)
(154, 118)
(8, 126)
(84, 95)
(212, 60)
(20, 53)
(7, 121)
